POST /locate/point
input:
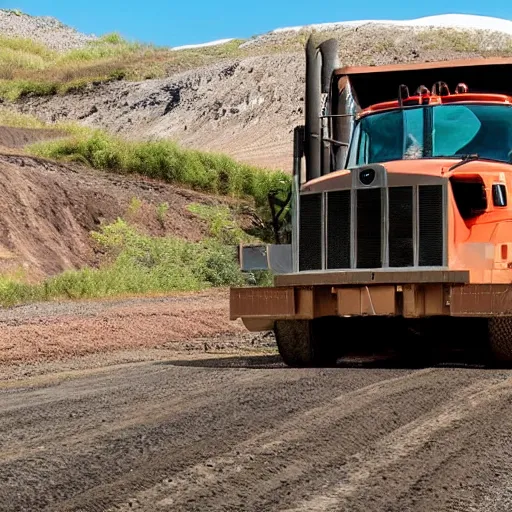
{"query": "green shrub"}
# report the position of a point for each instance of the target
(223, 227)
(15, 89)
(14, 292)
(135, 264)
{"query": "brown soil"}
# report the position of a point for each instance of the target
(51, 331)
(49, 210)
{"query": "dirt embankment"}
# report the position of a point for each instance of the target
(49, 209)
(17, 138)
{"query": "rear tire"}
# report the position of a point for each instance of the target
(499, 330)
(306, 343)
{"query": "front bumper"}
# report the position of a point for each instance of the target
(415, 294)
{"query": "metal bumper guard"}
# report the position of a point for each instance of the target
(413, 294)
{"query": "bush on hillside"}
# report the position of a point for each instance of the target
(135, 264)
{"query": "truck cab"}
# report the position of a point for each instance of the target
(426, 185)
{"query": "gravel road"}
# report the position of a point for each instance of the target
(246, 433)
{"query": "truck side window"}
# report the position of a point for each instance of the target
(499, 194)
(470, 196)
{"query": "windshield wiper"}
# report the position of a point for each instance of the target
(465, 159)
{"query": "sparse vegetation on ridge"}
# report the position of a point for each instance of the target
(165, 160)
(30, 68)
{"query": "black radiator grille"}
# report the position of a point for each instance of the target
(310, 234)
(338, 229)
(369, 228)
(415, 228)
(430, 225)
(401, 242)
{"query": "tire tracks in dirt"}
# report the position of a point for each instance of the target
(190, 438)
(278, 454)
(405, 441)
(107, 461)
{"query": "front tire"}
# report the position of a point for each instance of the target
(499, 331)
(306, 343)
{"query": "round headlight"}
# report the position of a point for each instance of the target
(367, 176)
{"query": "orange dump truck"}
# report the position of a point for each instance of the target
(400, 214)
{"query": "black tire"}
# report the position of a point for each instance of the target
(499, 331)
(306, 343)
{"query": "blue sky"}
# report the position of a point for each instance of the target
(173, 22)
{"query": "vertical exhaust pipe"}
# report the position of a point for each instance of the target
(312, 112)
(321, 61)
(330, 62)
(298, 153)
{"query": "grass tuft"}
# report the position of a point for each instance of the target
(15, 119)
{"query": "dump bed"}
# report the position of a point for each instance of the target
(375, 84)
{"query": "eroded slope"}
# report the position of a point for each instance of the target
(49, 210)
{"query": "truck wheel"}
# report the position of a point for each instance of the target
(304, 343)
(500, 338)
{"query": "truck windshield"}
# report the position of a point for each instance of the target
(433, 132)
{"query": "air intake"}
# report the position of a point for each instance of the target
(373, 227)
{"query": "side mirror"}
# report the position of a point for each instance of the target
(499, 194)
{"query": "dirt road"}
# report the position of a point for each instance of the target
(246, 433)
(163, 404)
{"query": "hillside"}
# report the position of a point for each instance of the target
(49, 209)
(240, 97)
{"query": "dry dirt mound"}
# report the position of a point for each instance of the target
(49, 209)
(43, 29)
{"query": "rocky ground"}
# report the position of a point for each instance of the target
(43, 29)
